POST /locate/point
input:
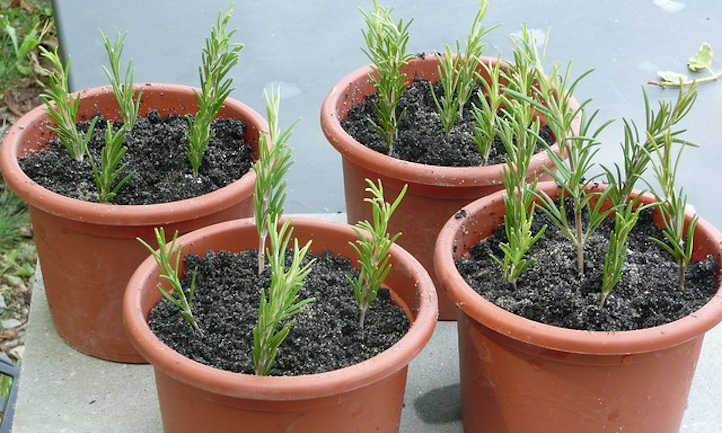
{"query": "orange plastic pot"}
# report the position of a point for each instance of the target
(434, 192)
(366, 397)
(87, 250)
(519, 375)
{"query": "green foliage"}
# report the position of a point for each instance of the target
(520, 143)
(486, 116)
(279, 306)
(22, 30)
(13, 216)
(63, 107)
(219, 56)
(625, 218)
(672, 203)
(274, 161)
(169, 272)
(386, 49)
(457, 73)
(106, 176)
(372, 246)
(123, 90)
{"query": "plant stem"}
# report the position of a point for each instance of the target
(663, 84)
(682, 272)
(261, 252)
(362, 316)
(580, 239)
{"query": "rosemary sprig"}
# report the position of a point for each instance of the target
(372, 246)
(106, 177)
(218, 57)
(386, 49)
(274, 161)
(486, 116)
(169, 272)
(625, 218)
(457, 73)
(520, 142)
(123, 90)
(279, 306)
(63, 107)
(672, 203)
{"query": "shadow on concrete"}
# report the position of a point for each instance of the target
(440, 405)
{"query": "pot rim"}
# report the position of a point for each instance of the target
(112, 214)
(409, 171)
(563, 339)
(239, 385)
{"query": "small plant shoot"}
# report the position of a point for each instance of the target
(386, 49)
(486, 115)
(107, 174)
(218, 57)
(700, 61)
(457, 72)
(520, 143)
(280, 303)
(63, 107)
(372, 246)
(672, 204)
(274, 161)
(122, 89)
(169, 266)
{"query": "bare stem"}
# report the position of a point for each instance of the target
(682, 272)
(362, 317)
(680, 83)
(580, 240)
(261, 253)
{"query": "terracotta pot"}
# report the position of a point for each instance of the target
(366, 397)
(518, 375)
(434, 192)
(88, 250)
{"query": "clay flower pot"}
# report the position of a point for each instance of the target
(519, 375)
(366, 397)
(88, 250)
(434, 192)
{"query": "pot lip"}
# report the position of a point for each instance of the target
(564, 339)
(277, 388)
(408, 171)
(112, 214)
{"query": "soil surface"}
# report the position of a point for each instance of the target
(421, 138)
(326, 335)
(156, 156)
(551, 292)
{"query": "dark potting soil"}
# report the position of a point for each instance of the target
(551, 292)
(326, 335)
(156, 157)
(421, 138)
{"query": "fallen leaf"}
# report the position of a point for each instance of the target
(672, 77)
(702, 59)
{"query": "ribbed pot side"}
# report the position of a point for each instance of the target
(87, 250)
(365, 397)
(518, 375)
(434, 192)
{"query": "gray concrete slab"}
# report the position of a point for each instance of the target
(63, 391)
(308, 45)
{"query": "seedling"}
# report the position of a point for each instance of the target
(219, 56)
(672, 203)
(106, 177)
(123, 90)
(274, 161)
(625, 218)
(701, 60)
(486, 116)
(372, 246)
(386, 49)
(457, 73)
(278, 308)
(63, 107)
(520, 143)
(169, 272)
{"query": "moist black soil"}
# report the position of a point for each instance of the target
(551, 291)
(421, 137)
(156, 157)
(326, 335)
